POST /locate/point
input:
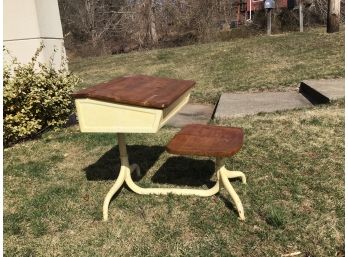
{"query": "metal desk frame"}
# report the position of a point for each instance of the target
(125, 177)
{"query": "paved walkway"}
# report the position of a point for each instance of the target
(239, 105)
(322, 91)
(192, 114)
(231, 105)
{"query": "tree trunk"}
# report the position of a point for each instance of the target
(151, 33)
(333, 16)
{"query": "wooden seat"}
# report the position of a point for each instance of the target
(212, 141)
(206, 140)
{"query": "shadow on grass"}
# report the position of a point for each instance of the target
(185, 171)
(108, 166)
(228, 203)
(176, 170)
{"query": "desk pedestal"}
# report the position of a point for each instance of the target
(125, 177)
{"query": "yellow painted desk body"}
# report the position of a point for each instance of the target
(100, 116)
(141, 104)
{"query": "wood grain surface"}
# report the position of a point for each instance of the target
(206, 140)
(138, 90)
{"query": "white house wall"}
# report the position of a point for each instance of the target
(27, 23)
(49, 19)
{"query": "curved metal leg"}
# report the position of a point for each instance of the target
(164, 191)
(235, 174)
(121, 177)
(233, 194)
(119, 182)
(225, 174)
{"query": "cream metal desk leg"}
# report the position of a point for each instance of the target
(164, 191)
(119, 182)
(224, 175)
(235, 174)
(121, 177)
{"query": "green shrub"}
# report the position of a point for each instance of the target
(36, 97)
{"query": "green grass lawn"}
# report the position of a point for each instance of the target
(252, 64)
(294, 162)
(294, 200)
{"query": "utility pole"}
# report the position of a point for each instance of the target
(301, 14)
(269, 22)
(333, 16)
(269, 5)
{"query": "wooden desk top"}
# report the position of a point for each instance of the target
(138, 90)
